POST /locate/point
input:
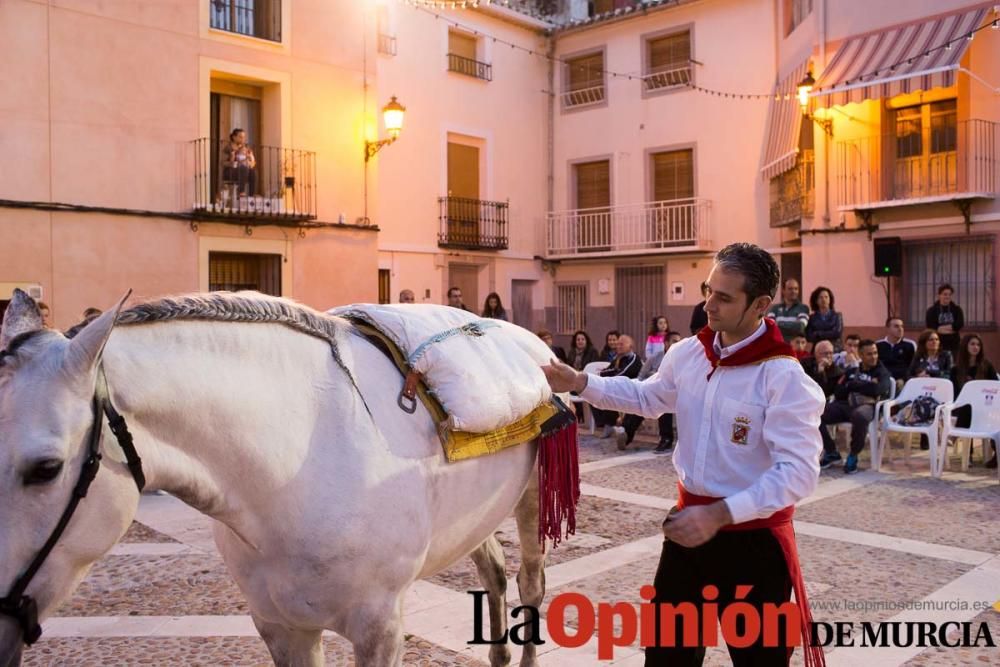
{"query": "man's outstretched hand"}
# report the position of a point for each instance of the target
(563, 377)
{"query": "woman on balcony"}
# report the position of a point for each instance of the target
(825, 323)
(238, 164)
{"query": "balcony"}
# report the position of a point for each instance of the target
(793, 193)
(583, 96)
(253, 18)
(883, 171)
(637, 229)
(278, 184)
(387, 44)
(669, 77)
(470, 67)
(472, 224)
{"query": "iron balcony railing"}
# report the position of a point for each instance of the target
(793, 193)
(387, 44)
(652, 227)
(583, 96)
(254, 18)
(667, 77)
(882, 169)
(470, 67)
(276, 183)
(472, 224)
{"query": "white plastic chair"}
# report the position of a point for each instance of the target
(984, 397)
(593, 368)
(941, 390)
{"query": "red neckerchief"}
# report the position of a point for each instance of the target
(770, 345)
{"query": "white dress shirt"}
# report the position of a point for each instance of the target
(748, 434)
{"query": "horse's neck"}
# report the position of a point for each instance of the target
(222, 413)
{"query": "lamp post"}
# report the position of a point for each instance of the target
(804, 88)
(392, 117)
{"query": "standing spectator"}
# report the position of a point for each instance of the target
(239, 164)
(825, 323)
(610, 349)
(971, 364)
(656, 340)
(46, 312)
(664, 422)
(406, 296)
(800, 346)
(791, 315)
(546, 337)
(946, 318)
(856, 394)
(455, 298)
(895, 352)
(626, 364)
(849, 356)
(581, 351)
(493, 309)
(89, 315)
(930, 360)
(699, 319)
(821, 369)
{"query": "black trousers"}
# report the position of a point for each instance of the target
(728, 560)
(665, 422)
(839, 412)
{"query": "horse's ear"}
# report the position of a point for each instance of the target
(22, 315)
(86, 347)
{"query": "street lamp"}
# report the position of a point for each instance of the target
(804, 88)
(392, 117)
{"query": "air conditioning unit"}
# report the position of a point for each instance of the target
(34, 290)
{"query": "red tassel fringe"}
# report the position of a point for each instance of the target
(558, 483)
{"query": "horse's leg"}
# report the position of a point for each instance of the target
(376, 631)
(289, 647)
(531, 576)
(489, 560)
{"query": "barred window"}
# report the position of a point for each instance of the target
(571, 308)
(966, 264)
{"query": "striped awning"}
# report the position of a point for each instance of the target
(905, 58)
(784, 123)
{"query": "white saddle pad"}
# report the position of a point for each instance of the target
(483, 381)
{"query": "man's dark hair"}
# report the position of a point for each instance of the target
(945, 286)
(853, 337)
(892, 318)
(784, 283)
(867, 342)
(454, 289)
(759, 270)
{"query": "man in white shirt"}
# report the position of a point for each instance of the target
(748, 449)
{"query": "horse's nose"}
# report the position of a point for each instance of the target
(11, 645)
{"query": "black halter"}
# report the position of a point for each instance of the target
(16, 604)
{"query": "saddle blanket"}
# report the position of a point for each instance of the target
(485, 373)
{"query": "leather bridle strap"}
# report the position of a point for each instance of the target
(16, 604)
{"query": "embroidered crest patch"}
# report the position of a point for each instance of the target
(741, 430)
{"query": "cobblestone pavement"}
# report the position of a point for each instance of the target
(873, 546)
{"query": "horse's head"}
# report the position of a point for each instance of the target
(47, 385)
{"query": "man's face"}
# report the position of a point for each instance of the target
(726, 305)
(799, 343)
(624, 345)
(406, 296)
(455, 298)
(851, 346)
(869, 355)
(944, 298)
(791, 291)
(895, 329)
(823, 351)
(547, 340)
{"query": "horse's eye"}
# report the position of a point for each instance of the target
(43, 472)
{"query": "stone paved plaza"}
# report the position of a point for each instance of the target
(162, 596)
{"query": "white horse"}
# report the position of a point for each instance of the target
(244, 407)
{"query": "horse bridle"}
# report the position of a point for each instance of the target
(23, 608)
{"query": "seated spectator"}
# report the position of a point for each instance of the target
(628, 364)
(656, 339)
(673, 337)
(849, 356)
(825, 323)
(895, 352)
(699, 318)
(581, 351)
(854, 401)
(946, 318)
(821, 368)
(791, 315)
(930, 360)
(546, 337)
(46, 312)
(406, 296)
(610, 349)
(971, 364)
(800, 346)
(493, 309)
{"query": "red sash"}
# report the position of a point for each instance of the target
(780, 525)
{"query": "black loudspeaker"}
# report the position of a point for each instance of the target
(888, 257)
